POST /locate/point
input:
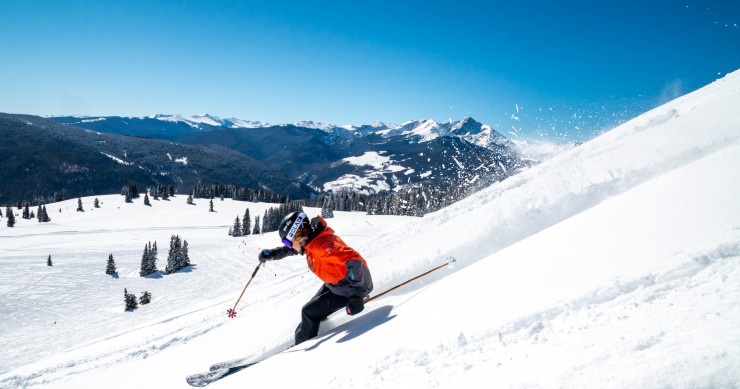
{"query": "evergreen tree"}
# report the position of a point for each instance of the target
(58, 196)
(190, 199)
(267, 221)
(327, 210)
(145, 298)
(46, 217)
(154, 250)
(26, 212)
(231, 232)
(148, 261)
(130, 301)
(246, 223)
(96, 203)
(175, 256)
(79, 205)
(256, 225)
(145, 270)
(146, 200)
(185, 258)
(111, 268)
(210, 209)
(237, 228)
(11, 217)
(48, 261)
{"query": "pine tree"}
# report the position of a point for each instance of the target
(185, 258)
(48, 261)
(154, 250)
(96, 203)
(145, 298)
(246, 223)
(190, 199)
(144, 269)
(327, 210)
(26, 212)
(174, 257)
(148, 261)
(237, 228)
(146, 200)
(79, 205)
(256, 225)
(46, 217)
(267, 221)
(11, 217)
(130, 301)
(111, 268)
(210, 209)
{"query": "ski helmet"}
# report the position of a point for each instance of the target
(290, 225)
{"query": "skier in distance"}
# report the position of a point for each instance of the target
(345, 273)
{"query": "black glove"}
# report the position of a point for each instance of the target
(265, 255)
(355, 305)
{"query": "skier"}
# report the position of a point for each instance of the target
(345, 273)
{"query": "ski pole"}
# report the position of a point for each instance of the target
(232, 312)
(451, 261)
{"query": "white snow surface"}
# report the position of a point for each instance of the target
(615, 264)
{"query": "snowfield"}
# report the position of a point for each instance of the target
(614, 264)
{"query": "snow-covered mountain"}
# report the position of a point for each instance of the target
(468, 129)
(419, 130)
(439, 155)
(197, 121)
(615, 264)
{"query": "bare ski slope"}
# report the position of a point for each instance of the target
(614, 264)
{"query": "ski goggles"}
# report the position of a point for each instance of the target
(288, 240)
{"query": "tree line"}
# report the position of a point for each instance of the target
(270, 220)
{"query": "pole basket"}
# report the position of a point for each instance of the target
(231, 313)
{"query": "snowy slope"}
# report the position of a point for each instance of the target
(614, 264)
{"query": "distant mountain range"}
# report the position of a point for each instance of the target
(95, 155)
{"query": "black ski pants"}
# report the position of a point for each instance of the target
(321, 305)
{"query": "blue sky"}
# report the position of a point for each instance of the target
(558, 69)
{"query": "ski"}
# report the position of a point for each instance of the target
(227, 368)
(203, 379)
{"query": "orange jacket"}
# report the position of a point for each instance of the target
(327, 255)
(341, 268)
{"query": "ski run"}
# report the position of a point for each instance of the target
(615, 264)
